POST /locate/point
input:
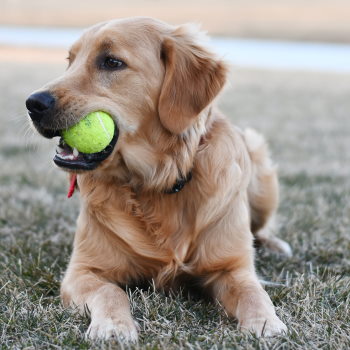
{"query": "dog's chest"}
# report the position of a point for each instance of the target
(147, 237)
(170, 233)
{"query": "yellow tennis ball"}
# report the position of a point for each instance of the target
(92, 134)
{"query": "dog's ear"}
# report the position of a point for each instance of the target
(193, 77)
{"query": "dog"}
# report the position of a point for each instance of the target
(179, 192)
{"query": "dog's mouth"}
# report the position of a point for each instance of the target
(71, 159)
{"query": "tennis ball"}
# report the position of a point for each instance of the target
(92, 134)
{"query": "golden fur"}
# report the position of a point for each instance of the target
(129, 229)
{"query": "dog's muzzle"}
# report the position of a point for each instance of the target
(41, 109)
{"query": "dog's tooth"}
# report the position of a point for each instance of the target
(75, 152)
(59, 149)
(67, 157)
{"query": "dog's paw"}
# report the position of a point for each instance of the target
(264, 327)
(123, 330)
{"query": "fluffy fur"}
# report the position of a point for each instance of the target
(129, 230)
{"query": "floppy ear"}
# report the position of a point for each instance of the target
(193, 77)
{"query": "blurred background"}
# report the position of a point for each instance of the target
(40, 24)
(321, 20)
(264, 41)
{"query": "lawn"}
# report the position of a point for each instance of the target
(305, 117)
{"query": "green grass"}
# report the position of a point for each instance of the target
(305, 118)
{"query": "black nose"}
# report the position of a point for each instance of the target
(38, 104)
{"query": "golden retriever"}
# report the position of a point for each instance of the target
(178, 192)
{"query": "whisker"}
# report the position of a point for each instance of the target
(19, 118)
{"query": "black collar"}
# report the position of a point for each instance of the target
(179, 184)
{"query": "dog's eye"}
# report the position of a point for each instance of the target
(112, 63)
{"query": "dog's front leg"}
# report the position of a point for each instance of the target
(226, 256)
(107, 304)
(242, 296)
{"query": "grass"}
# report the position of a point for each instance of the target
(304, 116)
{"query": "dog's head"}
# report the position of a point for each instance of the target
(154, 79)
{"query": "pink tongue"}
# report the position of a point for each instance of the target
(73, 182)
